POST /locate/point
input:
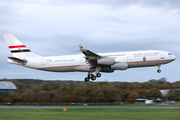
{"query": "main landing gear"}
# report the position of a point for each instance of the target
(92, 77)
(159, 69)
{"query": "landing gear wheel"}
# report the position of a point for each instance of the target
(93, 77)
(98, 75)
(159, 70)
(86, 79)
(90, 75)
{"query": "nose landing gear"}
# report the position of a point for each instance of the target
(159, 69)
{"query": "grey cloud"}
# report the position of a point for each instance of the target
(4, 10)
(8, 15)
(154, 3)
(115, 3)
(4, 13)
(110, 19)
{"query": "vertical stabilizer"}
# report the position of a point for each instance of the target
(18, 49)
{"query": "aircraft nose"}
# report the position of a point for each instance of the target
(174, 57)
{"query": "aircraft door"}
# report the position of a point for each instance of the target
(43, 61)
(161, 55)
(128, 56)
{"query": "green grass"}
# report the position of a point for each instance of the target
(58, 114)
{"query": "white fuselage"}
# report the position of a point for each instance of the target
(88, 61)
(71, 63)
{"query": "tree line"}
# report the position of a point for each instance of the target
(30, 90)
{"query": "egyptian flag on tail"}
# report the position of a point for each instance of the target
(18, 49)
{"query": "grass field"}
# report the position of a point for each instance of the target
(58, 114)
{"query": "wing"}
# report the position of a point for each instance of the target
(91, 57)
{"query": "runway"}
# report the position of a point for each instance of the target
(16, 107)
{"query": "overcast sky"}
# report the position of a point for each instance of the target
(56, 27)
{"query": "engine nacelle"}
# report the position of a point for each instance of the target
(106, 61)
(119, 66)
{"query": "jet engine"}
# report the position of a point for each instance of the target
(119, 66)
(106, 61)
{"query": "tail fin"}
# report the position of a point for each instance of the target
(17, 48)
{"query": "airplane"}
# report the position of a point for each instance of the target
(90, 62)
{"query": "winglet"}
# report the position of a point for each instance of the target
(87, 52)
(81, 47)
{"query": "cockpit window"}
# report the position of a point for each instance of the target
(169, 54)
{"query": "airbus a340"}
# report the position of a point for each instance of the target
(88, 61)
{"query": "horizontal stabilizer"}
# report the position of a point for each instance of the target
(21, 61)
